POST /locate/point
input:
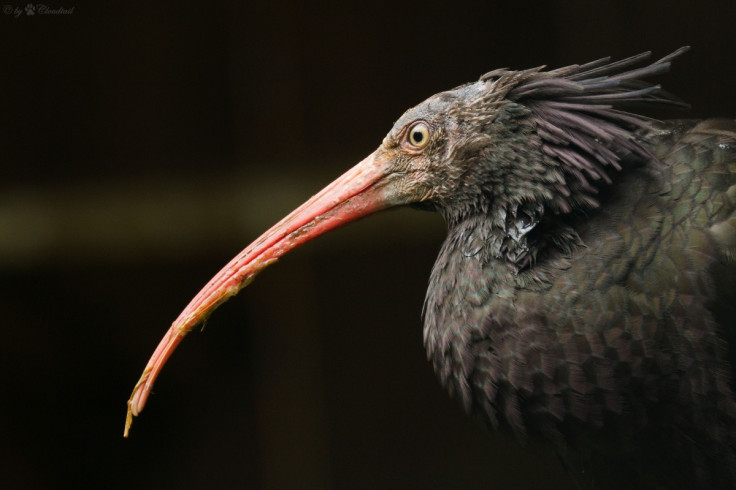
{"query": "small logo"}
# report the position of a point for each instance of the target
(35, 9)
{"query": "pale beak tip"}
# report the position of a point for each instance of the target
(128, 422)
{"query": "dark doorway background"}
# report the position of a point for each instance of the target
(143, 145)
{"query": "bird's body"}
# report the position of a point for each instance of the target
(584, 293)
(608, 347)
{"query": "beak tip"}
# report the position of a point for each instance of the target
(128, 421)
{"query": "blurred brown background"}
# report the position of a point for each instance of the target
(143, 145)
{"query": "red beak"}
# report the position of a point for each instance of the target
(362, 190)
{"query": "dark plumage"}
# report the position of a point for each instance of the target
(585, 290)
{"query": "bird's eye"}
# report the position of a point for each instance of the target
(419, 135)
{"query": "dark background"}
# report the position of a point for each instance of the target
(143, 145)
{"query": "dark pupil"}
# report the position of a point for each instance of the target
(417, 137)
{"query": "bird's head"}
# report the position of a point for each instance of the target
(529, 141)
(542, 139)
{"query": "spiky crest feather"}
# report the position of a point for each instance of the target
(576, 111)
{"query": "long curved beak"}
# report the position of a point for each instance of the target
(362, 190)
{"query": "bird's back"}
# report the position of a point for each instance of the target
(647, 317)
(616, 351)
